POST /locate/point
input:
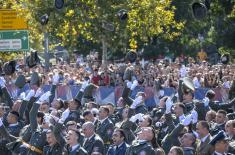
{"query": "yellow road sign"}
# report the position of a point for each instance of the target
(9, 20)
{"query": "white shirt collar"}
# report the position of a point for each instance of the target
(45, 130)
(217, 153)
(101, 121)
(90, 137)
(181, 118)
(15, 124)
(74, 147)
(204, 138)
(120, 145)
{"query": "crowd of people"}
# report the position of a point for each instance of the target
(37, 122)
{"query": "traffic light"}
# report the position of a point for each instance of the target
(44, 19)
(59, 4)
(200, 9)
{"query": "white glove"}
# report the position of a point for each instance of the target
(55, 79)
(136, 117)
(64, 115)
(95, 111)
(2, 82)
(139, 117)
(128, 84)
(194, 116)
(135, 83)
(46, 118)
(169, 104)
(136, 102)
(84, 85)
(206, 101)
(22, 96)
(1, 123)
(158, 124)
(55, 118)
(44, 97)
(30, 94)
(187, 120)
(133, 119)
(38, 92)
(161, 92)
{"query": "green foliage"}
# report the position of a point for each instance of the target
(155, 25)
(84, 19)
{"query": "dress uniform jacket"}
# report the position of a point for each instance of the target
(94, 144)
(78, 151)
(139, 148)
(171, 139)
(224, 106)
(129, 129)
(38, 138)
(105, 130)
(54, 150)
(73, 116)
(6, 97)
(58, 148)
(188, 150)
(6, 138)
(204, 148)
(125, 95)
(115, 150)
(216, 128)
(231, 148)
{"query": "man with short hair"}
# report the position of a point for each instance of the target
(216, 105)
(53, 147)
(89, 117)
(119, 145)
(72, 113)
(203, 147)
(13, 124)
(220, 121)
(230, 132)
(187, 143)
(179, 109)
(105, 127)
(220, 143)
(72, 139)
(92, 143)
(143, 144)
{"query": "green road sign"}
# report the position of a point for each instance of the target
(14, 40)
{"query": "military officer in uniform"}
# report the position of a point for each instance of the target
(74, 148)
(215, 105)
(230, 132)
(38, 137)
(53, 147)
(203, 147)
(186, 94)
(119, 145)
(220, 143)
(143, 143)
(93, 142)
(105, 126)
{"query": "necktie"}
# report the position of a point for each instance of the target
(70, 149)
(116, 151)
